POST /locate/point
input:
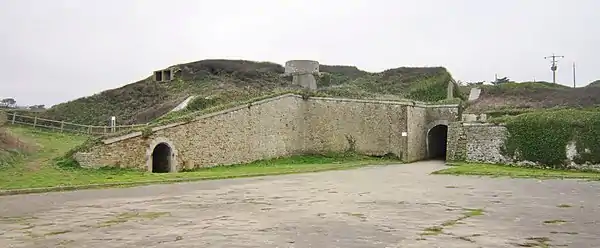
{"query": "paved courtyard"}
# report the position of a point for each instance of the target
(382, 206)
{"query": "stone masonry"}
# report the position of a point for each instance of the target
(281, 126)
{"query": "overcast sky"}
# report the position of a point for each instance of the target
(59, 50)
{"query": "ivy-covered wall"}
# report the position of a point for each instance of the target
(559, 139)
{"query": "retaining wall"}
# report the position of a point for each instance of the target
(276, 127)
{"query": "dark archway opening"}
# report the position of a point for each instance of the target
(437, 139)
(161, 158)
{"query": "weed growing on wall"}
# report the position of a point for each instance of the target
(85, 146)
(146, 132)
(542, 136)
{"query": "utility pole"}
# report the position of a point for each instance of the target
(553, 67)
(574, 84)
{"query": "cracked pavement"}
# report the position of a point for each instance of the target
(378, 206)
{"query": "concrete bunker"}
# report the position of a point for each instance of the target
(162, 157)
(302, 72)
(163, 75)
(437, 140)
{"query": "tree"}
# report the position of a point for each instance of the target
(8, 102)
(37, 107)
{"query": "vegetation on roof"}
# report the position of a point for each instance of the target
(221, 82)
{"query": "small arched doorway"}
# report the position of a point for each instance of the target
(437, 139)
(161, 158)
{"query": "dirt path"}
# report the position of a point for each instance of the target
(386, 206)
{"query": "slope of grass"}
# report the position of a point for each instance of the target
(594, 84)
(218, 82)
(41, 170)
(12, 149)
(515, 172)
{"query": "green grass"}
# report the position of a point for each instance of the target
(125, 217)
(472, 213)
(436, 230)
(432, 231)
(40, 170)
(515, 172)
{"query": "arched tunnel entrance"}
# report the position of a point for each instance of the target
(161, 158)
(437, 138)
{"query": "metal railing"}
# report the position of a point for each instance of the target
(63, 126)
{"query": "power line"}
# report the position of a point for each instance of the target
(553, 67)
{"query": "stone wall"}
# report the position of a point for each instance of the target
(442, 114)
(476, 142)
(280, 126)
(417, 133)
(265, 130)
(484, 143)
(456, 149)
(367, 127)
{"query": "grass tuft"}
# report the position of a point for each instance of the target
(555, 221)
(564, 206)
(514, 172)
(432, 231)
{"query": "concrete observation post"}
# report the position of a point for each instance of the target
(302, 72)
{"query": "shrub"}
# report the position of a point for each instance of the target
(542, 136)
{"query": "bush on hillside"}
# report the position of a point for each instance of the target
(542, 136)
(525, 86)
(594, 84)
(242, 68)
(343, 70)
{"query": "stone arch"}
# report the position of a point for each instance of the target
(437, 139)
(163, 151)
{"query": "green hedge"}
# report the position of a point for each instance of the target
(542, 136)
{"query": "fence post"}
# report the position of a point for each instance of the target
(62, 126)
(34, 121)
(89, 129)
(104, 129)
(13, 118)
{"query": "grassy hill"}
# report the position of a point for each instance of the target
(218, 82)
(533, 95)
(594, 84)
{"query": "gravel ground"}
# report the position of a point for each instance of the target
(379, 206)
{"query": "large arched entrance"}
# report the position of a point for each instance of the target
(437, 138)
(161, 158)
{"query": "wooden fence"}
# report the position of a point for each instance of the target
(63, 126)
